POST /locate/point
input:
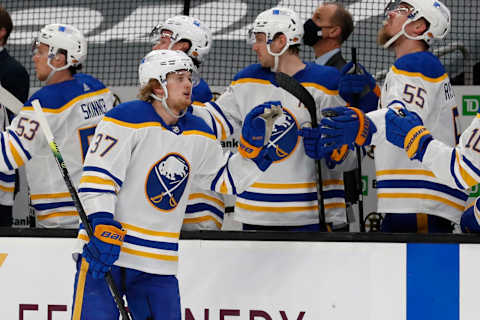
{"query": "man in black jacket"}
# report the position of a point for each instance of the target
(330, 26)
(15, 79)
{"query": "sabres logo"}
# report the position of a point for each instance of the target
(284, 137)
(166, 181)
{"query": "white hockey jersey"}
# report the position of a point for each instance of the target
(419, 83)
(73, 109)
(458, 167)
(286, 194)
(141, 170)
(7, 178)
(205, 208)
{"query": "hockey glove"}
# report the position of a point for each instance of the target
(469, 221)
(405, 130)
(315, 146)
(362, 85)
(346, 126)
(257, 128)
(104, 248)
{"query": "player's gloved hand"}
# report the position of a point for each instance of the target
(104, 248)
(362, 84)
(346, 126)
(256, 131)
(405, 130)
(469, 222)
(315, 146)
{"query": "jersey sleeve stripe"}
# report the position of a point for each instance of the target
(39, 196)
(419, 75)
(151, 244)
(96, 180)
(199, 133)
(284, 185)
(4, 153)
(7, 189)
(452, 169)
(101, 170)
(332, 183)
(193, 196)
(475, 169)
(278, 197)
(7, 177)
(214, 127)
(421, 196)
(133, 125)
(194, 208)
(95, 190)
(127, 226)
(57, 214)
(465, 176)
(149, 255)
(53, 205)
(275, 209)
(416, 184)
(321, 88)
(223, 119)
(17, 139)
(416, 172)
(202, 219)
(16, 156)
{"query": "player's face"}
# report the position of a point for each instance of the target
(40, 58)
(179, 86)
(260, 48)
(165, 40)
(393, 23)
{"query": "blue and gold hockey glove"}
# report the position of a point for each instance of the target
(103, 250)
(405, 130)
(469, 221)
(315, 147)
(256, 131)
(362, 84)
(346, 126)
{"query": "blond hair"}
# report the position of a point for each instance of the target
(146, 91)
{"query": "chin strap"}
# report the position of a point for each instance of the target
(50, 75)
(276, 55)
(402, 32)
(165, 105)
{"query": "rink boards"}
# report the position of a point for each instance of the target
(269, 280)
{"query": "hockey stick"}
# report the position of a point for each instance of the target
(355, 102)
(10, 101)
(78, 205)
(293, 87)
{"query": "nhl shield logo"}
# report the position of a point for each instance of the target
(284, 137)
(166, 181)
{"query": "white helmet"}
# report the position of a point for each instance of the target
(278, 20)
(186, 28)
(157, 65)
(433, 11)
(66, 37)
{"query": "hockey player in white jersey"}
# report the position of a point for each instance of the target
(138, 172)
(73, 104)
(457, 166)
(285, 198)
(206, 208)
(412, 198)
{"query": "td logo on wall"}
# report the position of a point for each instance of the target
(470, 105)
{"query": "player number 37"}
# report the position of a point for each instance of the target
(102, 143)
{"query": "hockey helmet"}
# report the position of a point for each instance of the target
(186, 28)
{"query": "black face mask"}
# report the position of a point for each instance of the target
(312, 33)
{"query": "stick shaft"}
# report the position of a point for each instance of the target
(76, 200)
